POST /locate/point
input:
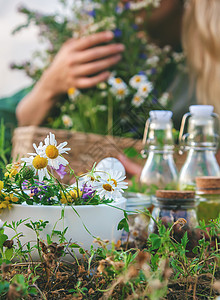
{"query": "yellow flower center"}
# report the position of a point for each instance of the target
(40, 162)
(121, 92)
(114, 181)
(107, 187)
(118, 80)
(145, 89)
(52, 152)
(137, 99)
(138, 79)
(71, 91)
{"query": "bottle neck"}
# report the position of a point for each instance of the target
(201, 151)
(166, 149)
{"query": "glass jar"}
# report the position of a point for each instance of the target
(208, 190)
(174, 208)
(138, 221)
(200, 141)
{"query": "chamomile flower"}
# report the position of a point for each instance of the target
(145, 88)
(73, 93)
(39, 164)
(153, 61)
(136, 80)
(137, 100)
(115, 81)
(120, 91)
(164, 99)
(54, 153)
(89, 179)
(111, 185)
(67, 121)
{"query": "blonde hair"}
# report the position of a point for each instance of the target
(201, 42)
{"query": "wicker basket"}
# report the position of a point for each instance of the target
(86, 148)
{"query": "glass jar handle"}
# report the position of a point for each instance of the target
(216, 117)
(182, 136)
(144, 141)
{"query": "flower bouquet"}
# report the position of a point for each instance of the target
(118, 107)
(92, 207)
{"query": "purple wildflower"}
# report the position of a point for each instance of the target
(61, 171)
(135, 26)
(88, 192)
(153, 71)
(154, 100)
(141, 73)
(127, 5)
(117, 32)
(142, 56)
(119, 9)
(91, 13)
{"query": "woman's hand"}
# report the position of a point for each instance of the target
(82, 63)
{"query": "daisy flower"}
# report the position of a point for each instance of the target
(111, 185)
(89, 179)
(54, 153)
(73, 93)
(136, 80)
(137, 100)
(145, 88)
(67, 121)
(153, 61)
(39, 164)
(116, 81)
(120, 91)
(164, 99)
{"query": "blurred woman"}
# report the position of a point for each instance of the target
(201, 42)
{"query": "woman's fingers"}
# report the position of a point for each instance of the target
(131, 167)
(91, 40)
(98, 52)
(87, 82)
(96, 66)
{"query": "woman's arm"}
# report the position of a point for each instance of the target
(76, 60)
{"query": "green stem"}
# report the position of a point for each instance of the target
(110, 114)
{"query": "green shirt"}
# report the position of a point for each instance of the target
(7, 111)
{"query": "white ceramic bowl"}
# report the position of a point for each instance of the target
(100, 220)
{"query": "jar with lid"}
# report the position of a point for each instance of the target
(208, 190)
(137, 219)
(160, 170)
(200, 140)
(176, 209)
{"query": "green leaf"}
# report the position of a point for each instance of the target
(48, 239)
(9, 253)
(74, 245)
(123, 224)
(4, 287)
(3, 238)
(155, 240)
(184, 240)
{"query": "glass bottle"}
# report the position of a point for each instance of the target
(201, 141)
(208, 190)
(160, 171)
